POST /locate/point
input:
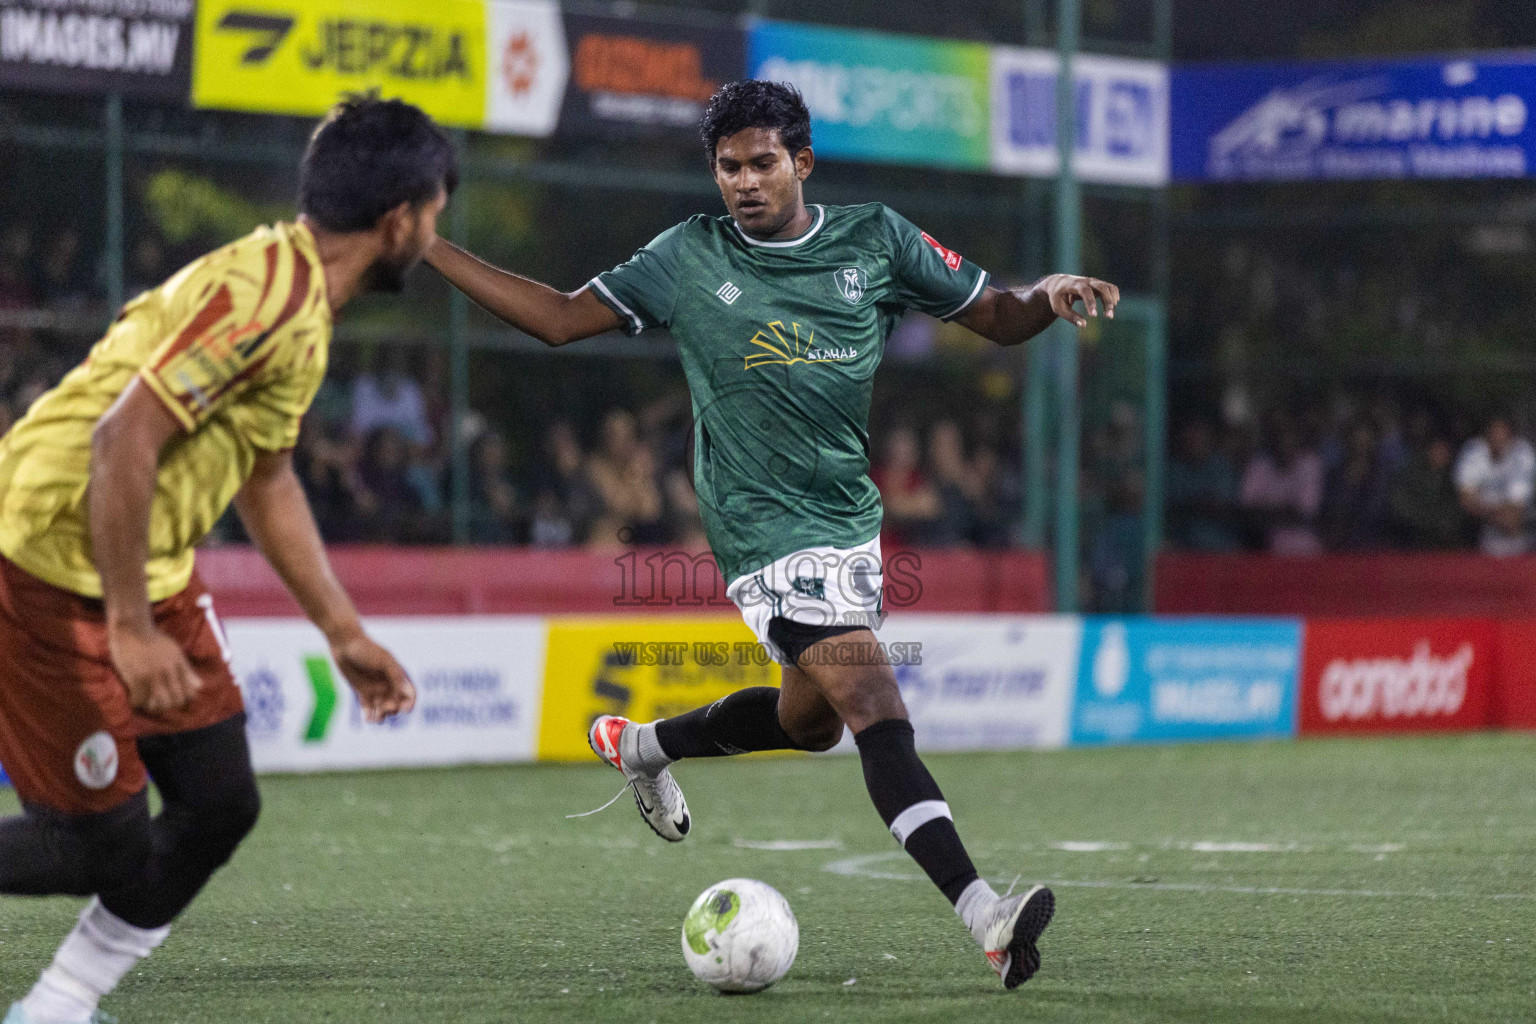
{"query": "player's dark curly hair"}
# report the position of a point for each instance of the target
(755, 104)
(369, 155)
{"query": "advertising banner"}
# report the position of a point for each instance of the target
(879, 97)
(1453, 117)
(1122, 117)
(984, 682)
(631, 77)
(527, 66)
(478, 683)
(1195, 679)
(641, 667)
(1397, 675)
(291, 57)
(141, 48)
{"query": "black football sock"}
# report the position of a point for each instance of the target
(911, 805)
(745, 721)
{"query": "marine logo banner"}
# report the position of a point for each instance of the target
(1452, 117)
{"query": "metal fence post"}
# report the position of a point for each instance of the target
(458, 365)
(112, 256)
(1069, 214)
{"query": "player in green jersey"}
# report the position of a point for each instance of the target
(781, 312)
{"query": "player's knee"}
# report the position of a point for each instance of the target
(222, 824)
(105, 851)
(819, 736)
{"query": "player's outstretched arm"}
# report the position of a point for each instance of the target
(125, 458)
(552, 316)
(277, 516)
(1013, 317)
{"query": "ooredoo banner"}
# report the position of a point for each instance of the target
(1397, 675)
(478, 683)
(630, 76)
(141, 48)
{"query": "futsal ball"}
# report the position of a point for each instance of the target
(740, 936)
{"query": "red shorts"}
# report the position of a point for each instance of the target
(67, 730)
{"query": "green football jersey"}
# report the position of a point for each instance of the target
(779, 342)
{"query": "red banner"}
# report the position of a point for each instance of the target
(1397, 675)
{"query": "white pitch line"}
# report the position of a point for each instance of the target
(784, 845)
(863, 866)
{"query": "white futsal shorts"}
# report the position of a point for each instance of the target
(815, 586)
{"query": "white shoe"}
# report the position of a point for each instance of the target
(1014, 924)
(660, 801)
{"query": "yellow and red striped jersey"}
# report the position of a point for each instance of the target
(235, 346)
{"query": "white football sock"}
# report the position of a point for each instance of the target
(95, 956)
(973, 905)
(640, 750)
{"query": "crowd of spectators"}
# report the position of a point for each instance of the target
(1361, 480)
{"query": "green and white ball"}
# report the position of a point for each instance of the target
(740, 936)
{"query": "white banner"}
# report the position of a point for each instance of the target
(1122, 117)
(984, 682)
(527, 66)
(479, 684)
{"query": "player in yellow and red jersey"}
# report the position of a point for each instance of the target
(113, 669)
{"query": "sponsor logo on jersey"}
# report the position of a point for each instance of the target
(786, 351)
(951, 258)
(728, 293)
(852, 282)
(96, 761)
(1421, 686)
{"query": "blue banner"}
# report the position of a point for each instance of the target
(880, 97)
(1460, 117)
(1194, 679)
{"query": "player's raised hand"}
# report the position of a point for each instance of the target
(1065, 289)
(381, 684)
(153, 668)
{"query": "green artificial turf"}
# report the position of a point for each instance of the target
(1386, 880)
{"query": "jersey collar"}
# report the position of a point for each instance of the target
(821, 218)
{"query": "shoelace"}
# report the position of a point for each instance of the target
(610, 803)
(1011, 885)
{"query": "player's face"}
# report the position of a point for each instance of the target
(408, 231)
(760, 180)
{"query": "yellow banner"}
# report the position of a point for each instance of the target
(300, 56)
(641, 667)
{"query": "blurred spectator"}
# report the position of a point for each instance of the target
(1424, 508)
(1354, 510)
(1495, 475)
(493, 507)
(1201, 492)
(395, 506)
(326, 463)
(623, 473)
(390, 398)
(912, 504)
(60, 283)
(960, 489)
(146, 266)
(16, 290)
(1282, 492)
(564, 502)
